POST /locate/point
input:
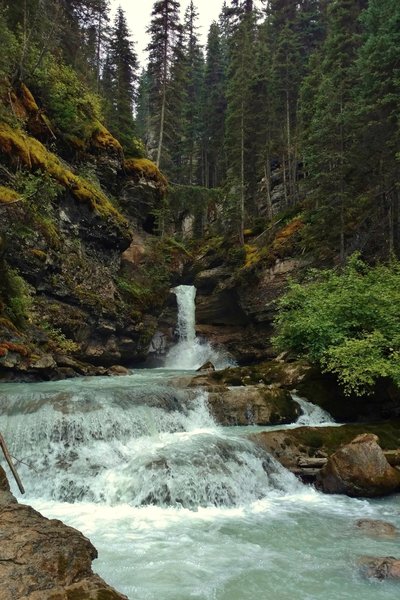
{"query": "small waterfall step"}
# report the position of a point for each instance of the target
(312, 414)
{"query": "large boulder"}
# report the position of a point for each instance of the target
(253, 405)
(42, 559)
(359, 469)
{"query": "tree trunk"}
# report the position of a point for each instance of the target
(242, 189)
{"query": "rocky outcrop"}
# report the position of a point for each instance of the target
(385, 567)
(312, 446)
(42, 559)
(237, 290)
(359, 469)
(253, 405)
(236, 399)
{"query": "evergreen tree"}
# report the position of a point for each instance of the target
(213, 110)
(143, 127)
(121, 77)
(328, 138)
(378, 102)
(238, 133)
(163, 30)
(176, 116)
(264, 121)
(194, 81)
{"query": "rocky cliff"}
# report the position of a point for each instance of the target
(82, 274)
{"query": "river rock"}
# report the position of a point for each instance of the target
(359, 469)
(253, 405)
(377, 528)
(386, 567)
(208, 366)
(117, 370)
(43, 559)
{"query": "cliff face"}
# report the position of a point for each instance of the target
(73, 224)
(84, 277)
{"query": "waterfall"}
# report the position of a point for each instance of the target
(149, 445)
(190, 353)
(186, 300)
(312, 414)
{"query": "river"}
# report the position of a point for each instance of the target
(178, 507)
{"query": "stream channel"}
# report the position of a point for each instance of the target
(178, 507)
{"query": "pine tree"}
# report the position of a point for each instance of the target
(238, 133)
(213, 110)
(328, 138)
(164, 29)
(378, 102)
(143, 127)
(176, 117)
(120, 76)
(193, 93)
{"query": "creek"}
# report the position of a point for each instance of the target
(178, 507)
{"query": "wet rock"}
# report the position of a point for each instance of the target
(208, 366)
(42, 559)
(386, 567)
(133, 256)
(292, 447)
(377, 528)
(44, 362)
(253, 405)
(118, 370)
(359, 469)
(206, 281)
(286, 375)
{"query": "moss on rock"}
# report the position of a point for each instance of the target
(145, 168)
(21, 148)
(8, 196)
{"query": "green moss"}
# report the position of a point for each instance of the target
(103, 139)
(39, 254)
(16, 297)
(7, 195)
(143, 167)
(33, 155)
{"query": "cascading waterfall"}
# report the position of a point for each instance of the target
(190, 352)
(140, 446)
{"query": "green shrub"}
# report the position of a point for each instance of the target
(71, 105)
(16, 296)
(348, 322)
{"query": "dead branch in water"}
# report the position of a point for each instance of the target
(10, 464)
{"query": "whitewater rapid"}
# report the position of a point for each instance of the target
(177, 506)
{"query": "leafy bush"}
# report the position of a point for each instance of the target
(347, 322)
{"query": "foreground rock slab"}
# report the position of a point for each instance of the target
(359, 469)
(43, 559)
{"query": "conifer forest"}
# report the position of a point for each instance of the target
(199, 299)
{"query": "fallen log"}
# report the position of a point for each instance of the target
(7, 456)
(311, 463)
